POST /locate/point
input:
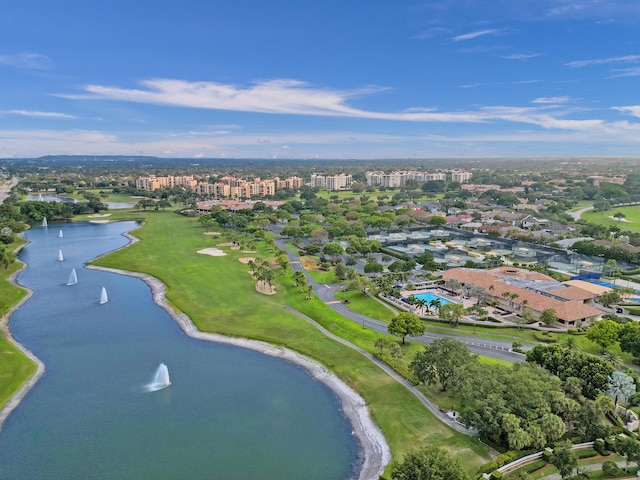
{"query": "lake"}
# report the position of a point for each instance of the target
(230, 413)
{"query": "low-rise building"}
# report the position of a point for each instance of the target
(515, 288)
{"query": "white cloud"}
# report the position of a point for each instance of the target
(632, 110)
(297, 98)
(476, 34)
(38, 114)
(625, 72)
(550, 100)
(521, 56)
(25, 60)
(604, 61)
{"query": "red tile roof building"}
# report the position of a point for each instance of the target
(534, 290)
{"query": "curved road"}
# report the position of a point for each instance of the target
(578, 213)
(482, 346)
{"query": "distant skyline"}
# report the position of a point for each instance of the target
(333, 79)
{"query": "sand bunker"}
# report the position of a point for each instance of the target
(98, 215)
(246, 260)
(228, 244)
(214, 252)
(212, 233)
(99, 221)
(265, 288)
(620, 219)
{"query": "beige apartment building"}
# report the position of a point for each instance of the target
(227, 187)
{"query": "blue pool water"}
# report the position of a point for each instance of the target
(428, 296)
(610, 285)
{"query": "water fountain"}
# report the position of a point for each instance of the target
(73, 278)
(40, 199)
(160, 379)
(103, 296)
(44, 222)
(60, 234)
(60, 256)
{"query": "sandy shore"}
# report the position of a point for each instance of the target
(374, 448)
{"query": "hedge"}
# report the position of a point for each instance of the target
(535, 466)
(393, 253)
(550, 338)
(503, 459)
(586, 453)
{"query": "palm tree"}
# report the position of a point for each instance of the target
(422, 303)
(452, 284)
(435, 304)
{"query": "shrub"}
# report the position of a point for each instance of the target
(535, 466)
(598, 445)
(606, 453)
(586, 453)
(610, 468)
(545, 337)
(496, 475)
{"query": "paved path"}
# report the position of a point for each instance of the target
(483, 346)
(578, 213)
(443, 417)
(590, 468)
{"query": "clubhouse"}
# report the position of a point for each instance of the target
(515, 288)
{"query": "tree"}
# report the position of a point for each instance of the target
(440, 361)
(7, 257)
(299, 278)
(525, 317)
(452, 312)
(564, 459)
(621, 386)
(437, 221)
(629, 448)
(373, 267)
(406, 324)
(604, 333)
(429, 463)
(607, 299)
(619, 216)
(164, 203)
(593, 372)
(629, 337)
(333, 249)
(548, 316)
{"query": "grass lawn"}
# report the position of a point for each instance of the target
(233, 307)
(15, 368)
(365, 305)
(550, 469)
(632, 217)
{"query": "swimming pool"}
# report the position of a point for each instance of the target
(608, 284)
(428, 296)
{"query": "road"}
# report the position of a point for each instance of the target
(482, 346)
(578, 213)
(5, 188)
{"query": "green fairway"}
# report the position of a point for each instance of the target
(233, 307)
(630, 222)
(365, 305)
(15, 368)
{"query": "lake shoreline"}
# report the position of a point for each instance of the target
(375, 452)
(17, 397)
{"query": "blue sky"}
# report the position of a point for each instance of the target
(320, 79)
